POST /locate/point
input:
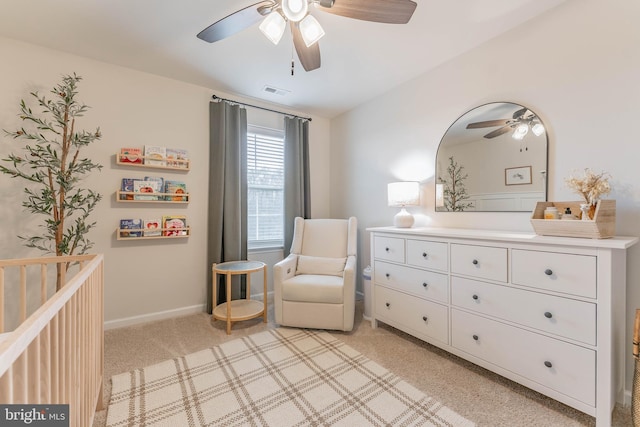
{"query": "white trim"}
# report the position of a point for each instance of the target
(160, 315)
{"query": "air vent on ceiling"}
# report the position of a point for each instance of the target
(276, 91)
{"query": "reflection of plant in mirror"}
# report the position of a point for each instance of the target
(454, 191)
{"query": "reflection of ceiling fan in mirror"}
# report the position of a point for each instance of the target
(305, 29)
(520, 123)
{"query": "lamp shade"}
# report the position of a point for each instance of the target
(273, 27)
(311, 30)
(295, 10)
(403, 193)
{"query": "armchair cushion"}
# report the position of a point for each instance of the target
(312, 288)
(320, 265)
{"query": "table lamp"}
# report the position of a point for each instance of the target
(401, 194)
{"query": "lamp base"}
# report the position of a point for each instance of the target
(403, 219)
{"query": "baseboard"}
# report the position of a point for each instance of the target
(160, 315)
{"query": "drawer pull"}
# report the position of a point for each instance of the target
(548, 364)
(388, 304)
(548, 315)
(425, 255)
(548, 272)
(475, 337)
(387, 275)
(425, 284)
(424, 318)
(474, 262)
(475, 297)
(386, 249)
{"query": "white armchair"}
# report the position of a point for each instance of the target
(315, 286)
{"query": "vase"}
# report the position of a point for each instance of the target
(585, 209)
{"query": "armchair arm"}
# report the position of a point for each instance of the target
(282, 271)
(349, 296)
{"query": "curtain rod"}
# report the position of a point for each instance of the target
(216, 97)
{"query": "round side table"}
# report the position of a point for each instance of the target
(241, 309)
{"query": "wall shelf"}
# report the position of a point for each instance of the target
(143, 237)
(181, 165)
(120, 194)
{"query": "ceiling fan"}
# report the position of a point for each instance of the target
(520, 123)
(305, 29)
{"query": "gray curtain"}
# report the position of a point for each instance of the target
(227, 210)
(297, 200)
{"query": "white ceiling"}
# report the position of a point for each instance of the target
(360, 60)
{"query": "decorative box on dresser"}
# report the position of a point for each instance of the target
(546, 312)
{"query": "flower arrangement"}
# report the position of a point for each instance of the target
(591, 186)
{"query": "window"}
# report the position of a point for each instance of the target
(265, 187)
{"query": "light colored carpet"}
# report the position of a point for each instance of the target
(280, 377)
(473, 392)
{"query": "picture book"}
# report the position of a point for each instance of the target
(158, 185)
(152, 227)
(146, 189)
(177, 158)
(131, 155)
(173, 189)
(127, 185)
(174, 225)
(130, 228)
(154, 155)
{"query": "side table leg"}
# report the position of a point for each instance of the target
(264, 295)
(214, 290)
(228, 304)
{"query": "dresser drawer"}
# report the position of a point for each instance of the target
(417, 315)
(566, 273)
(566, 368)
(426, 254)
(564, 317)
(483, 262)
(389, 249)
(421, 283)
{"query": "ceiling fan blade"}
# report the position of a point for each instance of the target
(487, 124)
(237, 21)
(385, 11)
(498, 132)
(519, 113)
(309, 56)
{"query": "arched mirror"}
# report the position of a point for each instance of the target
(493, 158)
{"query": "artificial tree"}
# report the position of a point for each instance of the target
(454, 191)
(53, 168)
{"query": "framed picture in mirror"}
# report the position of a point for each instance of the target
(517, 176)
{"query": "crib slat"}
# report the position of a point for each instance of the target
(33, 372)
(1, 300)
(45, 364)
(23, 293)
(43, 284)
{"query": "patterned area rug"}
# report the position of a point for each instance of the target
(281, 377)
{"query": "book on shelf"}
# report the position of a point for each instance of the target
(127, 186)
(158, 185)
(174, 189)
(174, 225)
(130, 228)
(131, 155)
(155, 155)
(177, 158)
(146, 189)
(152, 227)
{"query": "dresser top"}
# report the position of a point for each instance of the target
(616, 242)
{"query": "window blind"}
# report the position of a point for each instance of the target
(265, 187)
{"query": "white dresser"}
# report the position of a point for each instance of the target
(546, 312)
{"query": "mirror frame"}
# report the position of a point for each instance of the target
(479, 118)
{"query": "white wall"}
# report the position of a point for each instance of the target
(143, 278)
(577, 66)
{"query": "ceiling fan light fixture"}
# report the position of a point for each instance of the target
(311, 30)
(520, 131)
(273, 27)
(537, 129)
(295, 10)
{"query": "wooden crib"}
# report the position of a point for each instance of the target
(55, 354)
